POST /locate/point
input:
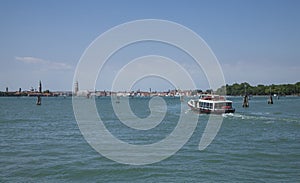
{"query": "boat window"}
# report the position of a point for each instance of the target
(207, 105)
(221, 105)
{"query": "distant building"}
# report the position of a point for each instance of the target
(83, 93)
(40, 86)
(76, 88)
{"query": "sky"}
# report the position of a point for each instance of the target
(255, 41)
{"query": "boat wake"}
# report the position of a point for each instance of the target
(246, 117)
(234, 115)
(255, 116)
(263, 117)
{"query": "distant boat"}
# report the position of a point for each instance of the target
(211, 104)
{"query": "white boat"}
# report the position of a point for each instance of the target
(211, 104)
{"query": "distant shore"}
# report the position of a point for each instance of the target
(229, 90)
(124, 94)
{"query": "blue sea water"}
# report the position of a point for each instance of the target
(44, 144)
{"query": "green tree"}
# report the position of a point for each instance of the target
(239, 89)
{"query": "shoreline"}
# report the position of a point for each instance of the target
(55, 96)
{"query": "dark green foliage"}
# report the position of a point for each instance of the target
(246, 88)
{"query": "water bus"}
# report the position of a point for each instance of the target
(211, 104)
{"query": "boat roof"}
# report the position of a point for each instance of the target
(213, 99)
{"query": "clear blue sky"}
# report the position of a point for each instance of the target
(254, 41)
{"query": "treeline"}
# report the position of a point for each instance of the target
(242, 88)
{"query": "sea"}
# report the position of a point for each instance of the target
(260, 143)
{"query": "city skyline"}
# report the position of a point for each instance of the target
(255, 41)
